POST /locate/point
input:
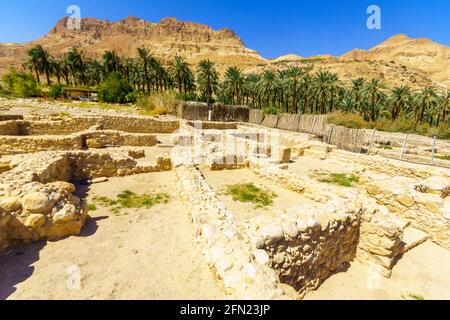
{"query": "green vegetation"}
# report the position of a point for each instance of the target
(270, 111)
(250, 193)
(340, 179)
(361, 103)
(130, 200)
(413, 296)
(56, 91)
(387, 147)
(355, 121)
(116, 89)
(20, 84)
(444, 157)
(158, 103)
(91, 207)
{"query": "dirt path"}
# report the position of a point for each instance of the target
(144, 254)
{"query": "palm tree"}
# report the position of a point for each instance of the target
(182, 74)
(111, 61)
(233, 84)
(401, 96)
(444, 103)
(75, 62)
(267, 87)
(424, 100)
(358, 85)
(40, 60)
(321, 83)
(145, 57)
(374, 92)
(295, 75)
(208, 79)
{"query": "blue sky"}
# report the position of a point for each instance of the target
(274, 28)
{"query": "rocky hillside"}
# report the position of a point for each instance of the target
(165, 39)
(399, 60)
(423, 55)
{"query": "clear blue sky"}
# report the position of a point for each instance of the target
(274, 28)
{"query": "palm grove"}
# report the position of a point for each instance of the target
(293, 90)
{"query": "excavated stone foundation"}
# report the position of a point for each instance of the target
(281, 253)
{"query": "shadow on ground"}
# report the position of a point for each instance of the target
(16, 265)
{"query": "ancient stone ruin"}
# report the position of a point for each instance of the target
(281, 253)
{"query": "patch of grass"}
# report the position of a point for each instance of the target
(386, 147)
(340, 179)
(414, 296)
(91, 207)
(131, 200)
(444, 157)
(248, 192)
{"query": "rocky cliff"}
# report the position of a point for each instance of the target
(165, 39)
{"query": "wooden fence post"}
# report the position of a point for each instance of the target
(433, 152)
(404, 146)
(371, 141)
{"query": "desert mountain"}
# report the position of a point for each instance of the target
(423, 55)
(399, 60)
(165, 39)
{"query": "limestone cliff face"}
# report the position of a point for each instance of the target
(165, 40)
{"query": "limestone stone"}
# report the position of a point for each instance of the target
(67, 213)
(405, 200)
(63, 186)
(35, 220)
(37, 202)
(10, 204)
(99, 180)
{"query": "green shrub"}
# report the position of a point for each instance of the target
(355, 121)
(56, 91)
(21, 84)
(130, 200)
(115, 89)
(158, 103)
(340, 179)
(250, 193)
(270, 111)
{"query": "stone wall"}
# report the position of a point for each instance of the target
(380, 241)
(220, 112)
(66, 126)
(242, 269)
(107, 138)
(90, 139)
(60, 127)
(28, 144)
(7, 117)
(9, 128)
(305, 250)
(428, 212)
(208, 125)
(139, 124)
(37, 202)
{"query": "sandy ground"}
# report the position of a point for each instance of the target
(144, 254)
(219, 180)
(423, 271)
(307, 165)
